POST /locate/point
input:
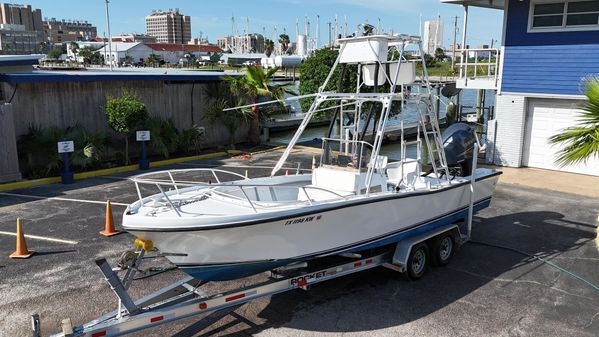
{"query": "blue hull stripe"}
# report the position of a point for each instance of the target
(221, 272)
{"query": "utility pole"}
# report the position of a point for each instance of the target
(455, 33)
(109, 37)
(317, 30)
(330, 41)
(336, 28)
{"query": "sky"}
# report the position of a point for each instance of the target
(213, 18)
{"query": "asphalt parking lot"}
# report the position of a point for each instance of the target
(493, 287)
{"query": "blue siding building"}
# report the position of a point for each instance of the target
(549, 49)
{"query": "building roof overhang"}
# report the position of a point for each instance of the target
(495, 4)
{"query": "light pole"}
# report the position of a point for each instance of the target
(109, 37)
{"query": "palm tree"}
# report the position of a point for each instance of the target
(582, 141)
(284, 41)
(269, 46)
(152, 60)
(252, 88)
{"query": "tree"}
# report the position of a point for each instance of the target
(429, 60)
(54, 54)
(87, 53)
(215, 58)
(314, 71)
(124, 114)
(152, 60)
(284, 41)
(128, 59)
(221, 98)
(252, 88)
(269, 46)
(581, 141)
(439, 54)
(97, 58)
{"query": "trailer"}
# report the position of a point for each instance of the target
(411, 256)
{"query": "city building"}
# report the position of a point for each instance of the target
(134, 38)
(433, 36)
(21, 15)
(169, 27)
(199, 40)
(15, 40)
(121, 52)
(21, 29)
(538, 78)
(173, 52)
(245, 43)
(59, 31)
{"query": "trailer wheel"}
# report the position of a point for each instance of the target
(417, 262)
(443, 249)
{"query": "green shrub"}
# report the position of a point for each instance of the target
(191, 141)
(164, 136)
(38, 155)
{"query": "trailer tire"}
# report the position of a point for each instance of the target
(443, 249)
(417, 262)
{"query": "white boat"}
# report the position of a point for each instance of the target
(218, 225)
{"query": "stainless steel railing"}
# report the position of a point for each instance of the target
(222, 188)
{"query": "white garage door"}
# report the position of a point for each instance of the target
(544, 119)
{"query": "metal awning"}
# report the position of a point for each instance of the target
(496, 4)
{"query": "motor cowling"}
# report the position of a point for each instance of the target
(458, 143)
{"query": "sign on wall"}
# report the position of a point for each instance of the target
(66, 146)
(142, 136)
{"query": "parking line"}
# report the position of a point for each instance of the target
(62, 199)
(36, 237)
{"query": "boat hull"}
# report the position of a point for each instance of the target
(235, 250)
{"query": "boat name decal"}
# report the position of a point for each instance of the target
(302, 220)
(303, 280)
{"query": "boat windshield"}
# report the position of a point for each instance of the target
(350, 154)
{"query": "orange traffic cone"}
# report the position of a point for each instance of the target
(22, 252)
(109, 227)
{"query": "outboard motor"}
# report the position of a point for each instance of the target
(458, 143)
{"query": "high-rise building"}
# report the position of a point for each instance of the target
(21, 15)
(169, 27)
(21, 29)
(433, 36)
(58, 31)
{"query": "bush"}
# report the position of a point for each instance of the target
(38, 156)
(191, 141)
(164, 136)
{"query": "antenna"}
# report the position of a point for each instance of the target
(306, 25)
(336, 29)
(318, 30)
(344, 25)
